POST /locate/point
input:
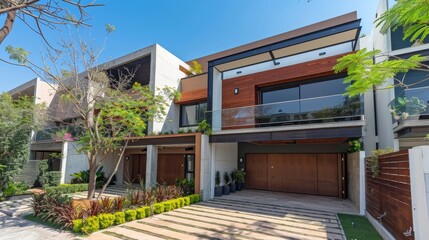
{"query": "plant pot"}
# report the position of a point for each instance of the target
(242, 185)
(225, 190)
(218, 191)
(232, 187)
(238, 187)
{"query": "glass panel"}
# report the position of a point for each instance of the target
(189, 176)
(202, 111)
(280, 95)
(399, 43)
(190, 163)
(189, 115)
(325, 88)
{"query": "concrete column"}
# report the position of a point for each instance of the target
(362, 185)
(151, 165)
(217, 101)
(63, 166)
(419, 178)
(206, 168)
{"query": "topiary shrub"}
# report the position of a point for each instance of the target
(158, 208)
(77, 225)
(181, 202)
(197, 198)
(191, 199)
(119, 218)
(67, 188)
(175, 204)
(167, 206)
(141, 213)
(106, 220)
(187, 201)
(91, 225)
(147, 211)
(130, 215)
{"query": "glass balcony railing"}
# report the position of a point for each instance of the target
(411, 104)
(57, 134)
(332, 108)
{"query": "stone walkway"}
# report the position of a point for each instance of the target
(224, 218)
(12, 228)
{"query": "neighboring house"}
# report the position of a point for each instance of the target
(409, 132)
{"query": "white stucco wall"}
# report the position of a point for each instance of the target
(166, 73)
(109, 164)
(419, 179)
(217, 101)
(72, 161)
(225, 158)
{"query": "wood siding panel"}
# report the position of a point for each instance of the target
(138, 167)
(300, 173)
(327, 175)
(257, 171)
(170, 168)
(390, 193)
(248, 84)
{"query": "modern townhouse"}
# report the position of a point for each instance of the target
(277, 111)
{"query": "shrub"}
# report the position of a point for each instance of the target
(158, 208)
(77, 225)
(106, 220)
(15, 188)
(130, 215)
(181, 202)
(91, 225)
(53, 178)
(187, 201)
(67, 188)
(167, 206)
(197, 198)
(141, 213)
(147, 211)
(175, 204)
(186, 186)
(119, 218)
(191, 199)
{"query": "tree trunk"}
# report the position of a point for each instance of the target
(92, 181)
(114, 170)
(7, 26)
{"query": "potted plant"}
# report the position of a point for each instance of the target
(240, 179)
(233, 184)
(408, 108)
(218, 188)
(225, 188)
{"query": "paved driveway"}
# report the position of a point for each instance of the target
(235, 217)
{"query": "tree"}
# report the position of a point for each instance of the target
(364, 73)
(17, 118)
(108, 112)
(42, 15)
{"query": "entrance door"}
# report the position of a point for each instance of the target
(170, 168)
(138, 167)
(317, 174)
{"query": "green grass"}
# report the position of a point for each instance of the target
(358, 227)
(31, 217)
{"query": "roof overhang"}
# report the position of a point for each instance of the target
(346, 32)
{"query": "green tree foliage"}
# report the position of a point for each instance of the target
(195, 68)
(363, 73)
(17, 119)
(411, 15)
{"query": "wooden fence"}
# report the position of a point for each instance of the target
(388, 196)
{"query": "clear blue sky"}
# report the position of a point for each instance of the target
(189, 28)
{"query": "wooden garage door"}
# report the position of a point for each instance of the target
(170, 168)
(316, 174)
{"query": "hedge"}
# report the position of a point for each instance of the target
(106, 220)
(67, 188)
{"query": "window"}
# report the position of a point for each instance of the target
(192, 114)
(399, 43)
(189, 166)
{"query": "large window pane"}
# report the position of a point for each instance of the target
(325, 88)
(193, 114)
(280, 95)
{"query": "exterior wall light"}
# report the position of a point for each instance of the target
(236, 90)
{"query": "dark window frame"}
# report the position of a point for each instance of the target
(181, 113)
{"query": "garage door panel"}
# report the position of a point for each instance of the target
(256, 171)
(317, 174)
(327, 173)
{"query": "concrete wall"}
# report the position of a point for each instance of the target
(419, 178)
(166, 73)
(356, 180)
(72, 161)
(109, 165)
(224, 156)
(206, 183)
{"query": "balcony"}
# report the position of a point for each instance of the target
(411, 104)
(56, 134)
(333, 108)
(193, 88)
